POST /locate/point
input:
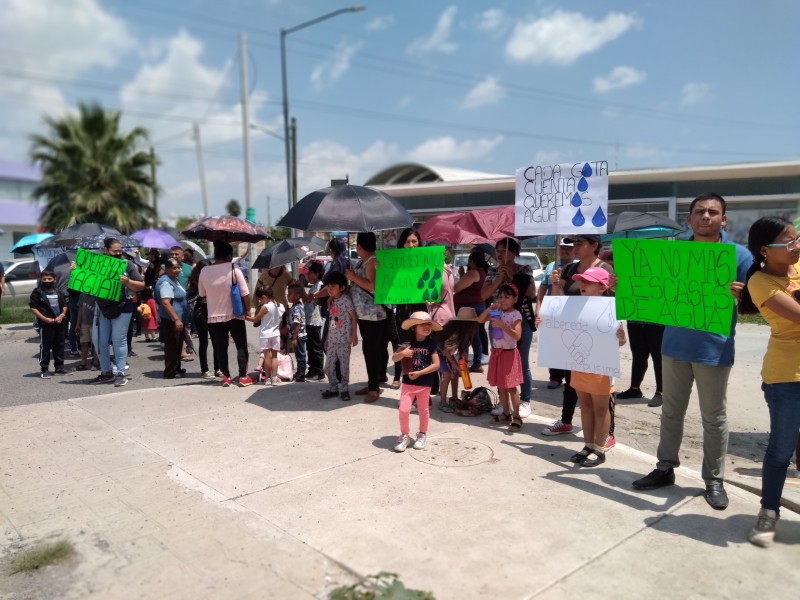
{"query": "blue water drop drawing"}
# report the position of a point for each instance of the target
(599, 218)
(576, 200)
(586, 171)
(578, 220)
(583, 185)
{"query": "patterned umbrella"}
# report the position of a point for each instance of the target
(226, 229)
(154, 238)
(347, 208)
(68, 236)
(95, 242)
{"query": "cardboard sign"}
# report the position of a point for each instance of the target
(684, 284)
(409, 275)
(97, 275)
(564, 198)
(579, 333)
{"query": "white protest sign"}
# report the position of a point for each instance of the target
(563, 198)
(579, 333)
(46, 254)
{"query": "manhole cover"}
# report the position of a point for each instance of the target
(453, 452)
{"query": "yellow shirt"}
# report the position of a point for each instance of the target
(782, 360)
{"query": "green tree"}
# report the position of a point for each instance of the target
(93, 172)
(233, 207)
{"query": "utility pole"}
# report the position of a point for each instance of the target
(201, 167)
(248, 157)
(294, 161)
(269, 215)
(155, 185)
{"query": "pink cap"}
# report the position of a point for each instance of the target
(593, 274)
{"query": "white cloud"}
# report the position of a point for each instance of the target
(641, 151)
(562, 37)
(491, 20)
(323, 160)
(380, 23)
(619, 77)
(439, 39)
(488, 91)
(334, 66)
(692, 93)
(447, 149)
(79, 36)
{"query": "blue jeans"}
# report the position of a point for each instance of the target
(783, 401)
(114, 331)
(477, 347)
(524, 347)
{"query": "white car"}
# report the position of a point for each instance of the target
(22, 276)
(530, 259)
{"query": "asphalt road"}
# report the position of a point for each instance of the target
(636, 424)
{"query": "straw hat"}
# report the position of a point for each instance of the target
(418, 318)
(466, 313)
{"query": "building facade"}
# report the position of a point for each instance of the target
(19, 215)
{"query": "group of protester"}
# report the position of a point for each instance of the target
(322, 324)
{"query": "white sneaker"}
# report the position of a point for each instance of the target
(497, 410)
(206, 375)
(275, 380)
(484, 359)
(524, 410)
(403, 442)
(419, 444)
(763, 532)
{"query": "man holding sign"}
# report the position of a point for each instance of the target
(692, 355)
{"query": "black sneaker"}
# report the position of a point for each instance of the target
(299, 379)
(104, 378)
(630, 393)
(655, 479)
(329, 394)
(63, 371)
(45, 375)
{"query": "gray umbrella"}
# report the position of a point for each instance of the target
(347, 208)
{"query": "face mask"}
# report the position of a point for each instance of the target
(48, 285)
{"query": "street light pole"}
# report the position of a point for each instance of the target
(287, 143)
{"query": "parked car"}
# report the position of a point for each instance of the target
(302, 271)
(22, 276)
(525, 258)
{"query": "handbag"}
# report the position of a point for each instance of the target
(285, 367)
(236, 296)
(528, 312)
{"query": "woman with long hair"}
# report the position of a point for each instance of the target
(773, 289)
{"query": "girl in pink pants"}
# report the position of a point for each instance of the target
(420, 363)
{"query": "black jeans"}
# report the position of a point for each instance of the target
(374, 345)
(316, 357)
(51, 341)
(645, 339)
(199, 318)
(219, 339)
(173, 345)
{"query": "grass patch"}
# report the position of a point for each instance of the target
(383, 586)
(756, 319)
(15, 310)
(41, 556)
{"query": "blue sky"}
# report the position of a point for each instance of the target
(489, 86)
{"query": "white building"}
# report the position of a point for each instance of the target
(19, 215)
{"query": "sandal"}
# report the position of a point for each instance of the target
(579, 456)
(501, 418)
(395, 384)
(515, 425)
(447, 407)
(82, 368)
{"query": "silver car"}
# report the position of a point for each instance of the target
(22, 276)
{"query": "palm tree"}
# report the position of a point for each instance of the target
(92, 172)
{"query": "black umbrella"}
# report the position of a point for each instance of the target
(347, 208)
(288, 251)
(68, 236)
(226, 228)
(96, 241)
(641, 225)
(61, 266)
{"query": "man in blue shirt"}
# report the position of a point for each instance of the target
(692, 356)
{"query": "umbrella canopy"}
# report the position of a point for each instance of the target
(347, 208)
(26, 244)
(199, 253)
(226, 229)
(154, 238)
(630, 223)
(67, 237)
(61, 266)
(444, 229)
(95, 242)
(474, 227)
(288, 251)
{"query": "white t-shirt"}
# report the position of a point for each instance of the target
(271, 322)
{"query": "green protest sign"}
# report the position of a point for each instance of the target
(97, 275)
(409, 275)
(685, 284)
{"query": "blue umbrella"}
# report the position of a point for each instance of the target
(26, 244)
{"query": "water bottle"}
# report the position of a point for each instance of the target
(463, 370)
(406, 364)
(497, 333)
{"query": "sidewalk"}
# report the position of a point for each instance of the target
(196, 491)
